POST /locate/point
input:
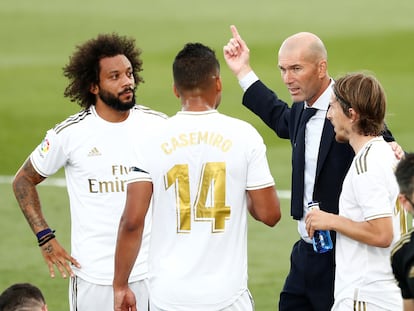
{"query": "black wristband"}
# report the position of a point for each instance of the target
(46, 239)
(43, 233)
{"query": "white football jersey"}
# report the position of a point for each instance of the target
(201, 164)
(369, 191)
(96, 155)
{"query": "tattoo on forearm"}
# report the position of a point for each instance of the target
(26, 194)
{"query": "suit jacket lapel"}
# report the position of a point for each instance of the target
(327, 139)
(297, 115)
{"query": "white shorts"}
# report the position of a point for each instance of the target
(352, 305)
(85, 296)
(243, 303)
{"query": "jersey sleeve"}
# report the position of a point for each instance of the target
(49, 156)
(373, 189)
(139, 170)
(258, 172)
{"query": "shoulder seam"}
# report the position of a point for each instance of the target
(74, 119)
(361, 162)
(148, 110)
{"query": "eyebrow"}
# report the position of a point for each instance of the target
(115, 71)
(290, 66)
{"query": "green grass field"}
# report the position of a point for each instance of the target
(38, 37)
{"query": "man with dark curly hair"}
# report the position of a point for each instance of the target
(94, 147)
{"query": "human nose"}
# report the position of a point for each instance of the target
(287, 77)
(128, 80)
(329, 114)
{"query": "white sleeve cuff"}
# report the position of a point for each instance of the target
(248, 80)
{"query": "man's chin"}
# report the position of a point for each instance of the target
(119, 106)
(297, 98)
(126, 106)
(341, 139)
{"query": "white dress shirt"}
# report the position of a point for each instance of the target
(313, 134)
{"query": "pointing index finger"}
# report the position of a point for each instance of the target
(235, 32)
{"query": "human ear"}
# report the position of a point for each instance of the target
(94, 89)
(353, 115)
(404, 203)
(218, 84)
(176, 93)
(322, 68)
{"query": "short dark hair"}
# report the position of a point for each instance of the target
(405, 175)
(364, 94)
(194, 66)
(83, 68)
(21, 296)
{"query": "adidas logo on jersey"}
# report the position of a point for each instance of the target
(94, 152)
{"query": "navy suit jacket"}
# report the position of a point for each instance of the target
(334, 159)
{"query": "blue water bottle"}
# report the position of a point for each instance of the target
(321, 240)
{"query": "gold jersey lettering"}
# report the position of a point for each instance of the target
(119, 170)
(196, 138)
(106, 186)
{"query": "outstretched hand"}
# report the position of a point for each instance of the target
(237, 54)
(55, 255)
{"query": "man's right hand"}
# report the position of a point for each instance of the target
(237, 55)
(55, 255)
(124, 299)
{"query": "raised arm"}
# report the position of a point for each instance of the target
(24, 187)
(237, 54)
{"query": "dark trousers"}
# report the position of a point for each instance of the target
(309, 285)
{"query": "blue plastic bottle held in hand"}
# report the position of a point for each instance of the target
(322, 241)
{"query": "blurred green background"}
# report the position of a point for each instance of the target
(37, 38)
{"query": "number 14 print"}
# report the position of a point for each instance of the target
(211, 188)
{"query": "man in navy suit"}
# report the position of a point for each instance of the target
(319, 163)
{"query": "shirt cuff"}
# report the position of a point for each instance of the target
(248, 80)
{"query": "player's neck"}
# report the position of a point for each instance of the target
(110, 114)
(197, 103)
(358, 141)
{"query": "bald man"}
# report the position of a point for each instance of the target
(319, 163)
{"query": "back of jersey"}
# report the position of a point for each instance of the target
(201, 164)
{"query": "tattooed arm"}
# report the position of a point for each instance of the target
(24, 187)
